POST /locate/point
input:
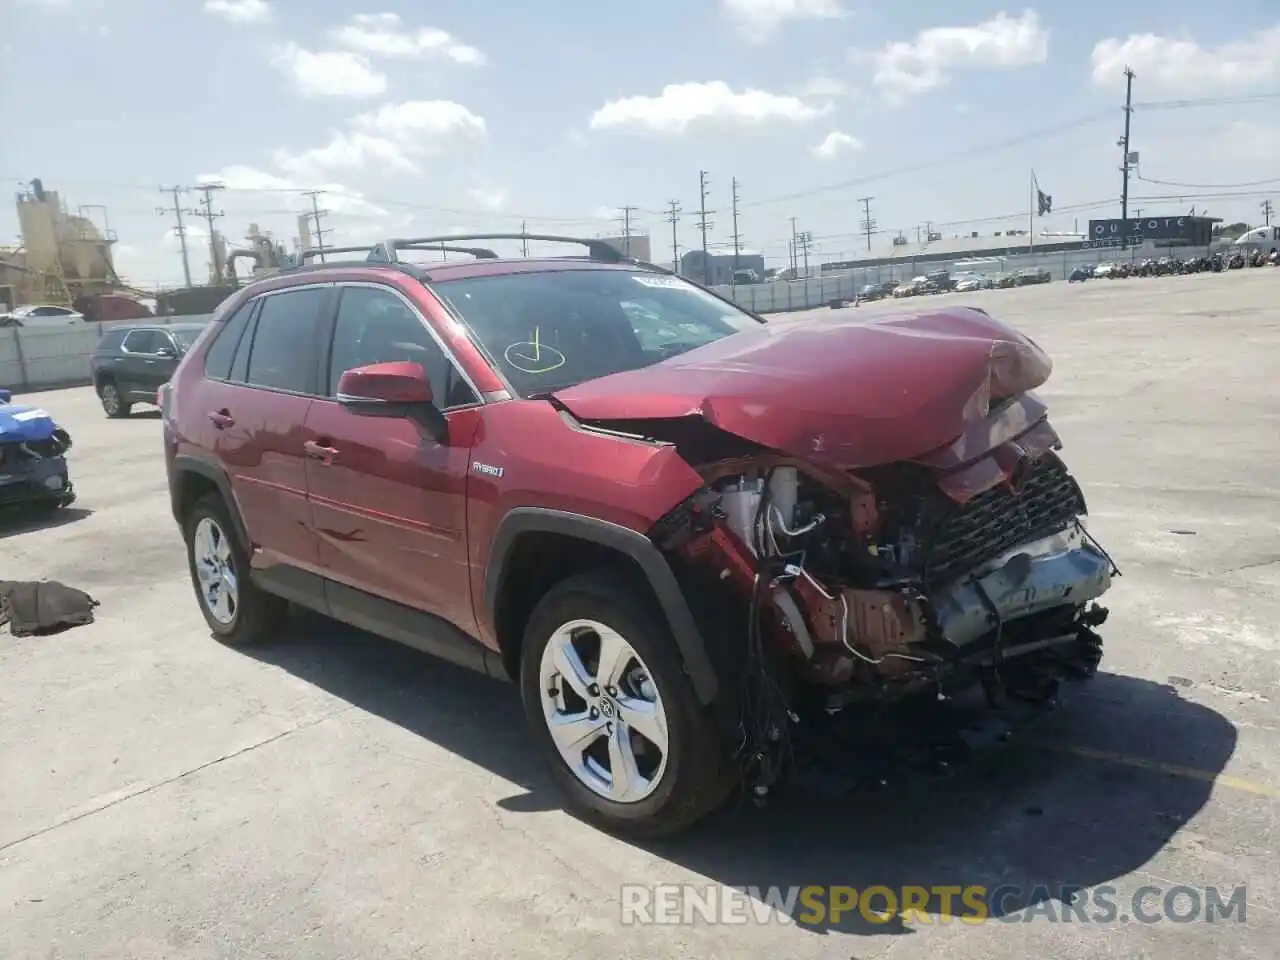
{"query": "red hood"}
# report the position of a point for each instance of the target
(840, 392)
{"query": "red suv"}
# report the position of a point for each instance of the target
(693, 538)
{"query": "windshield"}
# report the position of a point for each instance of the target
(549, 330)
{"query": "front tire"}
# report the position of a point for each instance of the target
(237, 611)
(614, 714)
(113, 402)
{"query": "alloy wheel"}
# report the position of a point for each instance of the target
(603, 711)
(215, 571)
(110, 399)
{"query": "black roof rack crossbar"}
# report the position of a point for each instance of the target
(596, 249)
(480, 253)
(302, 256)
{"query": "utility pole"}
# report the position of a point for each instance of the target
(1267, 210)
(180, 229)
(625, 220)
(804, 241)
(524, 240)
(207, 211)
(316, 214)
(795, 263)
(868, 222)
(704, 224)
(673, 217)
(1124, 144)
(737, 237)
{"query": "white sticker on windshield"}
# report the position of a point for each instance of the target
(660, 281)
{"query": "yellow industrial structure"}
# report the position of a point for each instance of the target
(61, 257)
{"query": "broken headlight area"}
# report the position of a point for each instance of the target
(873, 601)
(35, 471)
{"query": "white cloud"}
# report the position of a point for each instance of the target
(837, 144)
(760, 19)
(396, 135)
(329, 73)
(683, 105)
(824, 88)
(908, 67)
(384, 35)
(240, 11)
(1180, 64)
(489, 197)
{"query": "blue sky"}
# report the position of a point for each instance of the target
(433, 117)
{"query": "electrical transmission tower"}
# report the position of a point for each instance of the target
(207, 191)
(868, 223)
(673, 218)
(625, 220)
(704, 224)
(180, 228)
(737, 237)
(316, 215)
(1267, 210)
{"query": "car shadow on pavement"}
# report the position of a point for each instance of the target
(1090, 795)
(14, 521)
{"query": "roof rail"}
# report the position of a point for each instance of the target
(596, 249)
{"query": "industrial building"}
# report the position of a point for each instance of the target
(720, 264)
(62, 256)
(635, 245)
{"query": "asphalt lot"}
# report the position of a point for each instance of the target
(335, 796)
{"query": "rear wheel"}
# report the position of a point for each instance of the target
(614, 713)
(113, 401)
(238, 612)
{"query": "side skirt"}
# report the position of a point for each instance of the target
(385, 618)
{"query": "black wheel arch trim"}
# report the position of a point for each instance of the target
(684, 628)
(189, 463)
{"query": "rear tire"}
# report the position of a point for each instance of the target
(238, 611)
(113, 402)
(651, 797)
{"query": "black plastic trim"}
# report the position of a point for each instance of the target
(210, 470)
(641, 549)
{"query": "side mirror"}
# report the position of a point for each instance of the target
(167, 351)
(399, 390)
(5, 396)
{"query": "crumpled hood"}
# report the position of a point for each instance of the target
(841, 393)
(19, 424)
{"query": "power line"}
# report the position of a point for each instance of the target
(1126, 160)
(1206, 102)
(673, 217)
(868, 223)
(316, 214)
(625, 220)
(1208, 186)
(180, 229)
(704, 224)
(206, 210)
(737, 237)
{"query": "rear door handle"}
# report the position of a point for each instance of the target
(321, 452)
(222, 418)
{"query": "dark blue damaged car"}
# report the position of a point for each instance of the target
(33, 462)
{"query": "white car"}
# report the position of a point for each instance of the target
(45, 315)
(973, 281)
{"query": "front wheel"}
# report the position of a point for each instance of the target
(614, 714)
(113, 402)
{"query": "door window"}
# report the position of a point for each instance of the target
(280, 356)
(376, 326)
(143, 341)
(217, 361)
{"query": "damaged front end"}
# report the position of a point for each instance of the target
(33, 465)
(870, 591)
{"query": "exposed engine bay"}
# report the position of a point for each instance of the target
(908, 582)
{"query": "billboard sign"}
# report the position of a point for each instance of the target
(1185, 230)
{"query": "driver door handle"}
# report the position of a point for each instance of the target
(222, 418)
(319, 451)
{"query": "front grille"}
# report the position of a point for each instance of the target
(996, 520)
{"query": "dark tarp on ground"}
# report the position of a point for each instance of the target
(35, 608)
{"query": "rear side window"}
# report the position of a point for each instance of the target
(217, 361)
(281, 356)
(143, 341)
(110, 341)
